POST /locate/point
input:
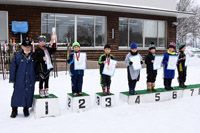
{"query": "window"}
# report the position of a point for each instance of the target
(48, 22)
(65, 27)
(142, 32)
(89, 31)
(123, 32)
(136, 32)
(85, 30)
(161, 33)
(100, 31)
(3, 26)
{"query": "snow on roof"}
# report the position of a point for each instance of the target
(99, 5)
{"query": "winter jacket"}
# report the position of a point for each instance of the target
(22, 74)
(71, 62)
(168, 74)
(148, 62)
(39, 61)
(151, 74)
(102, 58)
(132, 74)
(181, 61)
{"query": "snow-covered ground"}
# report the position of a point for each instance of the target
(177, 116)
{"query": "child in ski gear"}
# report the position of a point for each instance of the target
(22, 74)
(76, 75)
(169, 74)
(105, 79)
(182, 69)
(44, 65)
(133, 75)
(151, 73)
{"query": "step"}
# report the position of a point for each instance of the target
(78, 103)
(105, 101)
(46, 107)
(144, 96)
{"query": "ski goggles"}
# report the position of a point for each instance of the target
(42, 38)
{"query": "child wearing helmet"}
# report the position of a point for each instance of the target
(44, 65)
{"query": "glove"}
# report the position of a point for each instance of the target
(130, 63)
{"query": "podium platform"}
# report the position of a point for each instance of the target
(144, 96)
(78, 103)
(46, 107)
(105, 101)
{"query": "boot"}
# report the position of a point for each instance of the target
(104, 92)
(14, 112)
(149, 87)
(26, 111)
(167, 83)
(46, 92)
(80, 93)
(132, 92)
(181, 84)
(41, 93)
(108, 90)
(153, 86)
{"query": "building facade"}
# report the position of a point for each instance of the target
(94, 24)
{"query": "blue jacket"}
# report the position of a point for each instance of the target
(22, 74)
(72, 71)
(168, 74)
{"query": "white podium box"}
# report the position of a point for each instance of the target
(78, 103)
(105, 101)
(191, 92)
(150, 97)
(46, 107)
(144, 96)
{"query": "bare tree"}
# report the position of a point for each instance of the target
(188, 27)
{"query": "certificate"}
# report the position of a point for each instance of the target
(136, 62)
(48, 61)
(109, 69)
(79, 61)
(157, 62)
(172, 62)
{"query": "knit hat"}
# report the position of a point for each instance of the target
(180, 46)
(107, 46)
(42, 38)
(133, 45)
(151, 46)
(172, 45)
(75, 44)
(26, 42)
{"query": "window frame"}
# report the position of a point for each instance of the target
(143, 47)
(76, 29)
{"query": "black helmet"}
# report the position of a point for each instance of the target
(26, 42)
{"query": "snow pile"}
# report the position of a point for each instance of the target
(180, 116)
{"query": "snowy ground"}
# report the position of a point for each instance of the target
(177, 116)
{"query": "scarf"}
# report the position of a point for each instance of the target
(172, 53)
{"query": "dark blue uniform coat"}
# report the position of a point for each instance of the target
(22, 74)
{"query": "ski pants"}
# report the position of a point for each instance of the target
(77, 82)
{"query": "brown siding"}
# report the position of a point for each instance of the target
(32, 14)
